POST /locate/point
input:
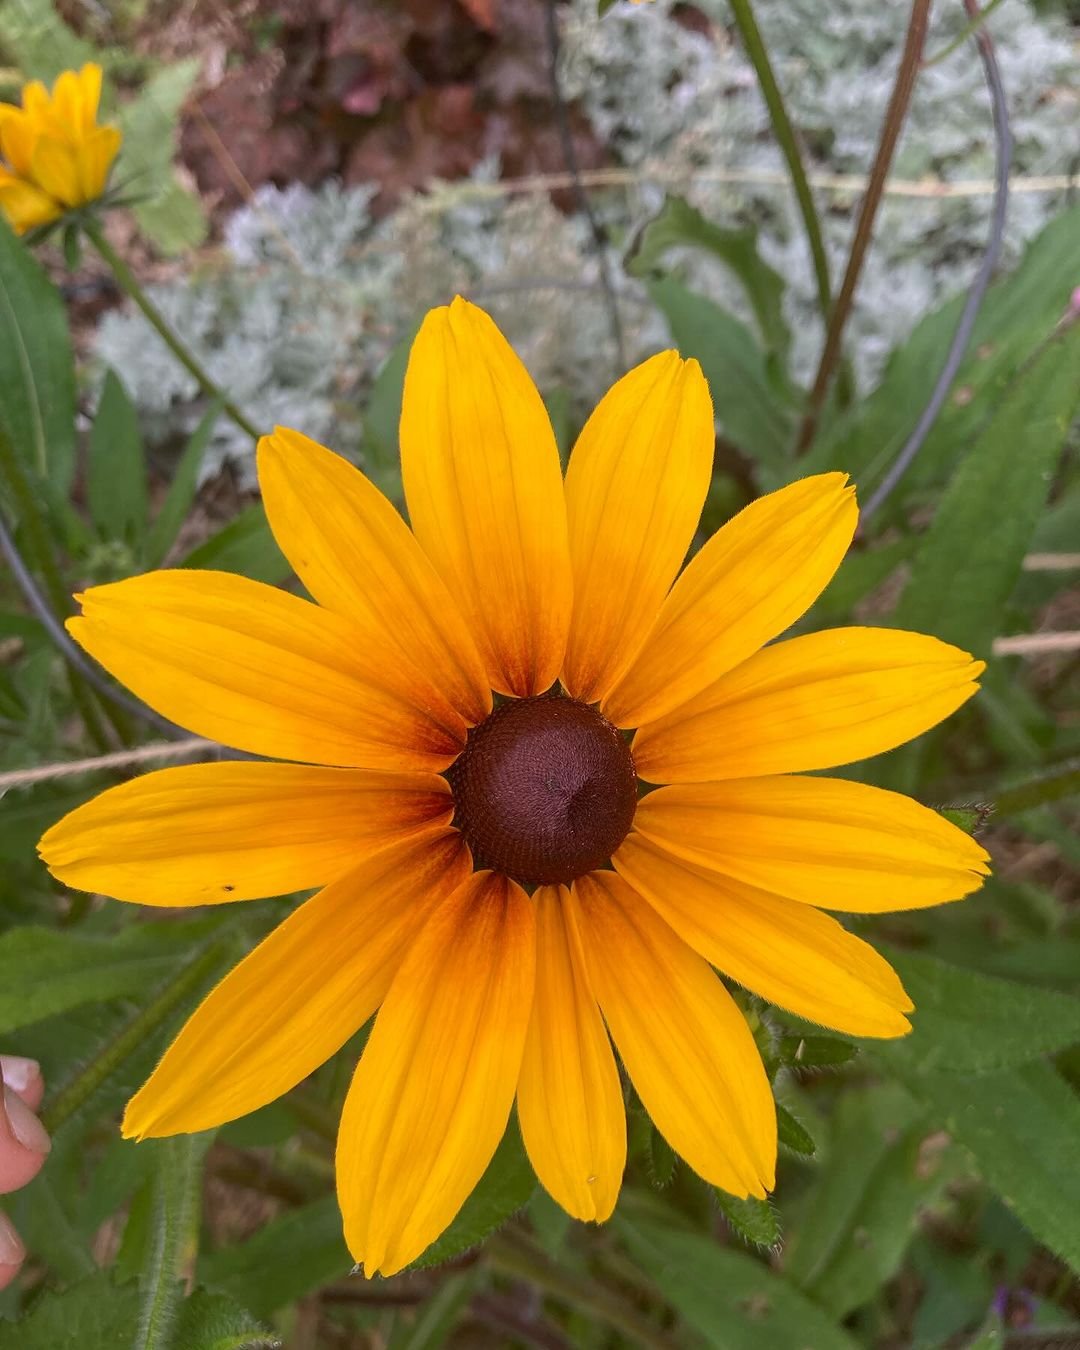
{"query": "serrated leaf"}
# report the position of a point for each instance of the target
(94, 1314)
(116, 472)
(733, 363)
(815, 1052)
(150, 123)
(963, 572)
(214, 1322)
(1021, 1128)
(970, 1023)
(246, 545)
(505, 1187)
(731, 1300)
(37, 374)
(793, 1134)
(45, 971)
(174, 509)
(752, 1220)
(679, 223)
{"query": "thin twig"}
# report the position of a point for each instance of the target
(743, 13)
(895, 115)
(118, 759)
(599, 239)
(1052, 562)
(844, 184)
(965, 326)
(967, 31)
(1037, 644)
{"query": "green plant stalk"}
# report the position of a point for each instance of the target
(1063, 781)
(70, 1098)
(895, 116)
(130, 283)
(512, 1253)
(968, 31)
(38, 540)
(175, 1216)
(789, 146)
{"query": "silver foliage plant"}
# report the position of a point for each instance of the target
(311, 295)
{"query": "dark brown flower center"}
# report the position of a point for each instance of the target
(545, 790)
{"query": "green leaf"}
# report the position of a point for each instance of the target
(752, 1220)
(745, 402)
(213, 1322)
(40, 42)
(1018, 313)
(94, 1314)
(44, 971)
(964, 571)
(793, 1134)
(382, 416)
(970, 819)
(284, 1261)
(116, 473)
(174, 509)
(971, 1023)
(661, 1159)
(245, 545)
(679, 223)
(1021, 1127)
(37, 374)
(861, 1211)
(815, 1052)
(730, 1299)
(150, 123)
(505, 1187)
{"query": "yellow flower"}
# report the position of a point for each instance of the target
(463, 842)
(55, 155)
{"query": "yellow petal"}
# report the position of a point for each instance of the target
(634, 492)
(686, 1046)
(357, 557)
(18, 136)
(570, 1102)
(90, 94)
(432, 1095)
(35, 98)
(484, 488)
(95, 156)
(67, 102)
(789, 953)
(204, 834)
(810, 703)
(265, 671)
(55, 169)
(756, 575)
(25, 205)
(823, 841)
(299, 996)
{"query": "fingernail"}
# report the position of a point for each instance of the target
(18, 1072)
(11, 1249)
(25, 1126)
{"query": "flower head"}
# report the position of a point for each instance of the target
(549, 781)
(55, 155)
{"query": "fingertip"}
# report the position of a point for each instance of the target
(24, 1078)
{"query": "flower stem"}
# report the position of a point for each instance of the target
(130, 283)
(969, 30)
(864, 226)
(789, 146)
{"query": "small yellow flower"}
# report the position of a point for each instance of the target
(473, 708)
(55, 156)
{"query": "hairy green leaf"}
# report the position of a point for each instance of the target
(752, 1220)
(792, 1133)
(94, 1314)
(213, 1322)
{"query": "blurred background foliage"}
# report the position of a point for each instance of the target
(309, 177)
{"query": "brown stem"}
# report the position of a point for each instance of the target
(879, 172)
